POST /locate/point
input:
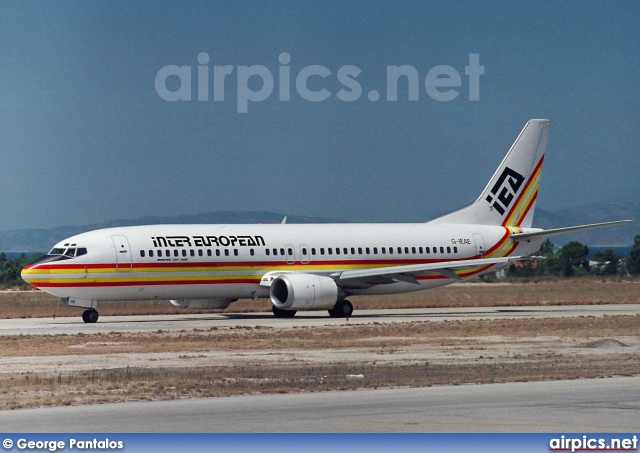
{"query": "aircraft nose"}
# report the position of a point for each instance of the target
(36, 271)
(27, 273)
(31, 272)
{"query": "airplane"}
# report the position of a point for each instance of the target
(305, 266)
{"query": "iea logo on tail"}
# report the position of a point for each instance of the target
(505, 190)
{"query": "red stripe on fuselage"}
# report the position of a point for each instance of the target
(149, 283)
(499, 244)
(259, 264)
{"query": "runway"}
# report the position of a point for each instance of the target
(106, 324)
(590, 405)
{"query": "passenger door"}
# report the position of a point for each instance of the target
(123, 253)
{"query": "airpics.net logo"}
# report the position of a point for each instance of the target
(257, 83)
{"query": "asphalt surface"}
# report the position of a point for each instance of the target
(590, 405)
(106, 324)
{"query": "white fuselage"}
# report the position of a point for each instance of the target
(229, 261)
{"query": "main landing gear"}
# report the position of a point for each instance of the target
(90, 316)
(342, 309)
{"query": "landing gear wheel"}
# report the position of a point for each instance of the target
(342, 309)
(280, 313)
(90, 316)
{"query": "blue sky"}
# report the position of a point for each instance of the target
(85, 137)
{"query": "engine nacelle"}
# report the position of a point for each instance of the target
(201, 304)
(303, 292)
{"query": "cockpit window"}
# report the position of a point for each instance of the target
(68, 252)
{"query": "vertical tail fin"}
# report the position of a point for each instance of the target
(510, 196)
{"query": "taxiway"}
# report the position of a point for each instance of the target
(151, 323)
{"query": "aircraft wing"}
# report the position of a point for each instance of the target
(556, 231)
(406, 273)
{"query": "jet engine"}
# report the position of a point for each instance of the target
(200, 304)
(303, 292)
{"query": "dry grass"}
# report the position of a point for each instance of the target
(305, 359)
(142, 384)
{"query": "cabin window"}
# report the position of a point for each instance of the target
(184, 253)
(200, 253)
(321, 250)
(345, 251)
(384, 250)
(337, 250)
(192, 252)
(420, 250)
(142, 253)
(413, 250)
(217, 252)
(151, 253)
(353, 250)
(290, 252)
(375, 250)
(329, 251)
(282, 252)
(226, 252)
(235, 252)
(304, 251)
(313, 250)
(367, 250)
(455, 250)
(441, 249)
(208, 252)
(448, 249)
(399, 250)
(359, 250)
(267, 252)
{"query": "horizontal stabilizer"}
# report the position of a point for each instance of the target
(557, 231)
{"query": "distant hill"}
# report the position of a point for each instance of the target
(41, 240)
